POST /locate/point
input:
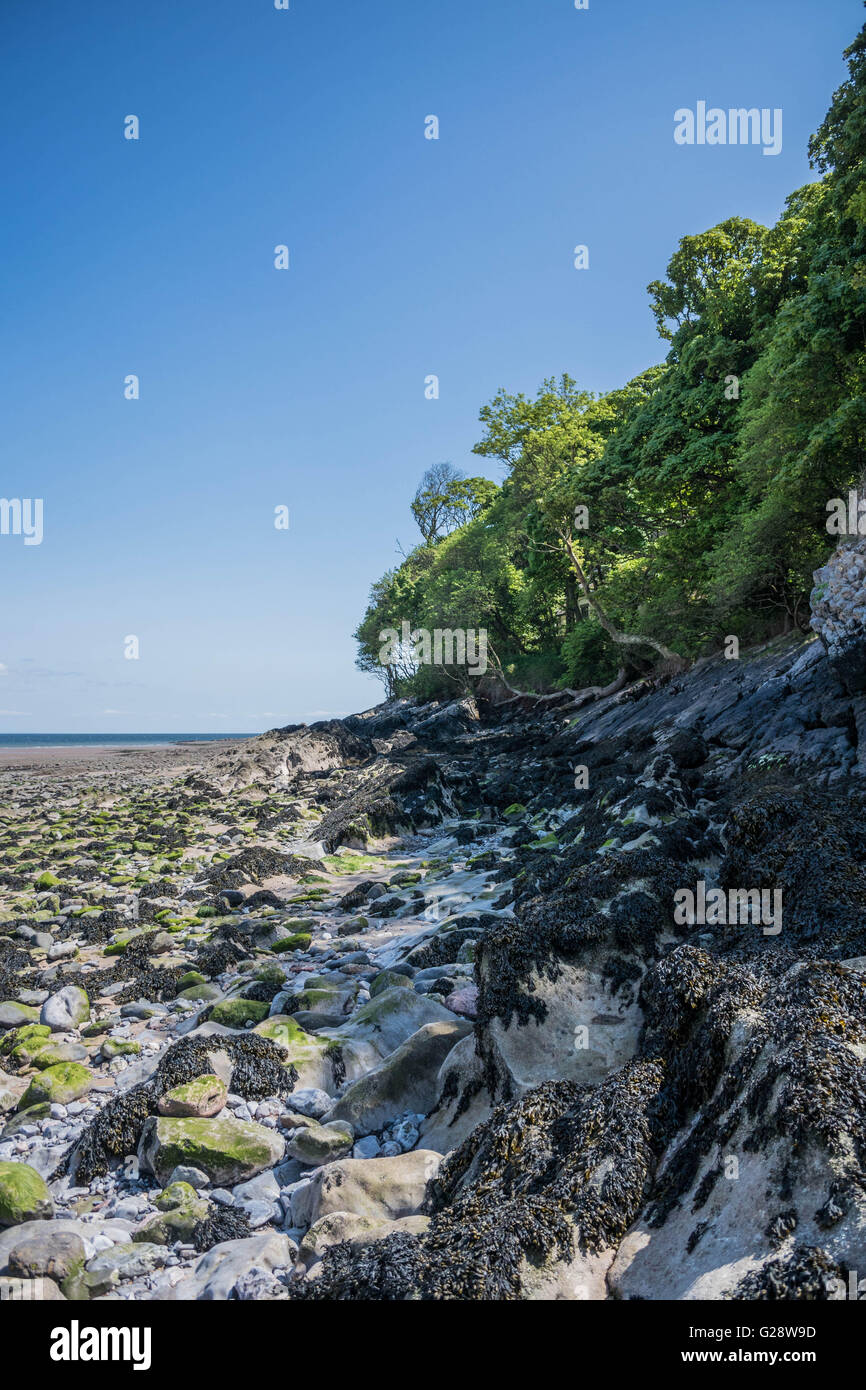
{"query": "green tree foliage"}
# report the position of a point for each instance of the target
(691, 502)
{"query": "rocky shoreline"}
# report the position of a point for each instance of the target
(401, 1006)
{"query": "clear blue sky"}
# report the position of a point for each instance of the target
(306, 388)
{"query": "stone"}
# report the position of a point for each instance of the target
(388, 979)
(228, 1150)
(205, 1096)
(49, 1054)
(340, 1226)
(56, 1255)
(65, 1011)
(24, 1195)
(180, 1211)
(310, 1100)
(119, 1047)
(132, 1261)
(218, 1272)
(306, 1052)
(462, 1101)
(13, 1015)
(185, 1173)
(382, 1189)
(463, 1001)
(313, 1144)
(59, 1084)
(238, 1013)
(407, 1080)
(382, 1025)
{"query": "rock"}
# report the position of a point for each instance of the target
(589, 1027)
(132, 1261)
(51, 1053)
(59, 1084)
(24, 1195)
(382, 1189)
(838, 601)
(55, 1255)
(382, 1025)
(306, 1052)
(206, 1096)
(462, 1101)
(180, 1211)
(405, 1081)
(310, 1100)
(185, 1173)
(314, 1144)
(388, 979)
(13, 1015)
(66, 1011)
(463, 1001)
(218, 1272)
(95, 1233)
(263, 1188)
(227, 1150)
(14, 1289)
(238, 1013)
(119, 1047)
(342, 1226)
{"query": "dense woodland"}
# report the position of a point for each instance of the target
(692, 502)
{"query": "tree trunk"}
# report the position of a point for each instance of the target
(624, 639)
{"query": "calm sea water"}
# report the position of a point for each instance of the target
(108, 740)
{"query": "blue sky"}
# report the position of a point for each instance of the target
(305, 388)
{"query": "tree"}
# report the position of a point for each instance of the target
(447, 498)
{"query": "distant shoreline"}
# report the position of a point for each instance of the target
(43, 741)
(76, 758)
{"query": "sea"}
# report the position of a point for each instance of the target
(109, 740)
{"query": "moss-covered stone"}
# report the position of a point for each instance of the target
(300, 941)
(228, 1150)
(238, 1013)
(387, 979)
(30, 1035)
(24, 1195)
(205, 1096)
(59, 1084)
(119, 1047)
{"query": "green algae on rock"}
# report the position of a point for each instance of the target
(24, 1195)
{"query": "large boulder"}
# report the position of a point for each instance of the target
(590, 1027)
(228, 1150)
(405, 1081)
(381, 1025)
(462, 1101)
(382, 1189)
(310, 1054)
